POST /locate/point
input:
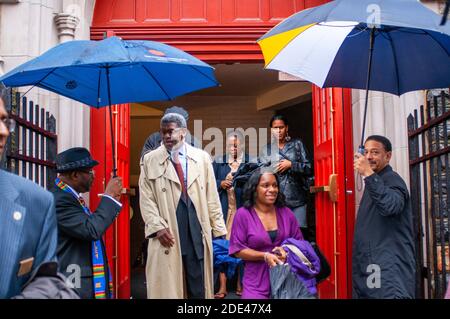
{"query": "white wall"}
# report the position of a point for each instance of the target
(27, 29)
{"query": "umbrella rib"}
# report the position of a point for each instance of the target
(395, 61)
(157, 82)
(43, 86)
(39, 82)
(287, 43)
(439, 43)
(213, 80)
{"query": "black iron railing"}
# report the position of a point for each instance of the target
(429, 149)
(32, 147)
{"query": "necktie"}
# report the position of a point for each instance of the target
(180, 174)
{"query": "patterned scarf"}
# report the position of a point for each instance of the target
(98, 263)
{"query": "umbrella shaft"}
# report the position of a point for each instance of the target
(369, 71)
(113, 143)
(445, 14)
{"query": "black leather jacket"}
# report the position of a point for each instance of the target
(293, 181)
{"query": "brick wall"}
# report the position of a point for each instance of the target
(230, 112)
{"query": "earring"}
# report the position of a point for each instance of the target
(288, 138)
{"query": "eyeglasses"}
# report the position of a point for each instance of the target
(10, 124)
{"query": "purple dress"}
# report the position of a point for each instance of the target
(248, 232)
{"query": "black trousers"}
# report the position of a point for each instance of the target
(192, 249)
(194, 276)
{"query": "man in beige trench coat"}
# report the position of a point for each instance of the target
(182, 213)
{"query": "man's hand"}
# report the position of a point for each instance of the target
(114, 187)
(362, 165)
(165, 238)
(225, 184)
(283, 166)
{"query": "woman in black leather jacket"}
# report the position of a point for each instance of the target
(291, 162)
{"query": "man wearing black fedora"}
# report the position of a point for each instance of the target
(81, 251)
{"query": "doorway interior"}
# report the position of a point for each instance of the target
(247, 98)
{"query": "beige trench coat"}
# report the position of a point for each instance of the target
(160, 192)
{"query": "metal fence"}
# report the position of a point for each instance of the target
(430, 181)
(32, 147)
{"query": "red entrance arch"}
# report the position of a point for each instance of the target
(221, 31)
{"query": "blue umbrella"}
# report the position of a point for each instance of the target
(114, 71)
(393, 46)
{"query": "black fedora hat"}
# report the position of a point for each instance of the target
(73, 159)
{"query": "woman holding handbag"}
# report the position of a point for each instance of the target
(258, 230)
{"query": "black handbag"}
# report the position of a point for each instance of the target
(325, 268)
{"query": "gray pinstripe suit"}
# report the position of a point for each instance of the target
(27, 230)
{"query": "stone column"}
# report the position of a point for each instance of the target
(66, 24)
(71, 122)
(386, 115)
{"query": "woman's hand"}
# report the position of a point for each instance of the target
(272, 260)
(225, 184)
(283, 166)
(281, 253)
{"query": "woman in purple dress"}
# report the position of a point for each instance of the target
(258, 230)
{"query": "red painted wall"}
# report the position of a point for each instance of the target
(212, 30)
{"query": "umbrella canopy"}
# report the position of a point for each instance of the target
(329, 45)
(128, 71)
(114, 71)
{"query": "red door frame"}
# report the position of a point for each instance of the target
(333, 154)
(227, 44)
(117, 249)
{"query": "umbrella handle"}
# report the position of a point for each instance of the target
(361, 149)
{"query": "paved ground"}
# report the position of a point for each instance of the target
(138, 288)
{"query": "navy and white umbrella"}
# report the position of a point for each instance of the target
(393, 46)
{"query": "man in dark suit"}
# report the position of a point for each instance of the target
(81, 251)
(27, 224)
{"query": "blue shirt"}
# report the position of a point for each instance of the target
(183, 160)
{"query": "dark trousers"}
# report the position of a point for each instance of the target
(194, 276)
(192, 249)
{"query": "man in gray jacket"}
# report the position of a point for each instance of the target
(383, 246)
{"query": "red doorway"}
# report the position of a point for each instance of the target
(226, 32)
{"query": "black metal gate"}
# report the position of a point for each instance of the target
(32, 147)
(429, 149)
